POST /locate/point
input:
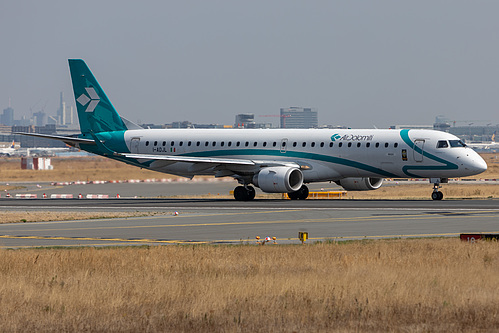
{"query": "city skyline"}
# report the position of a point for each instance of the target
(361, 64)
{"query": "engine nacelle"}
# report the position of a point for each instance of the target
(279, 179)
(360, 184)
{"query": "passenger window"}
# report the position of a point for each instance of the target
(172, 143)
(349, 144)
(189, 143)
(368, 145)
(395, 145)
(155, 143)
(206, 143)
(238, 144)
(312, 144)
(340, 144)
(198, 143)
(358, 144)
(322, 144)
(304, 144)
(181, 143)
(294, 144)
(265, 144)
(214, 143)
(377, 144)
(331, 144)
(164, 143)
(147, 143)
(222, 144)
(229, 143)
(386, 145)
(442, 144)
(274, 144)
(246, 144)
(254, 144)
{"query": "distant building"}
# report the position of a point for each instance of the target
(7, 118)
(298, 117)
(64, 113)
(428, 127)
(245, 120)
(39, 118)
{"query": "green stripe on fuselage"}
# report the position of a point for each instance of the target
(293, 154)
(404, 134)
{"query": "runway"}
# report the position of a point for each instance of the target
(219, 221)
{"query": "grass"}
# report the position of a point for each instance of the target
(101, 168)
(388, 285)
(44, 216)
(75, 168)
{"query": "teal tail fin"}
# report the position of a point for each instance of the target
(95, 111)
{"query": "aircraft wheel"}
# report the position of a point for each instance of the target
(239, 193)
(242, 193)
(250, 192)
(437, 195)
(301, 194)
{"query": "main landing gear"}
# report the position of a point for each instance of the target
(301, 194)
(437, 195)
(244, 193)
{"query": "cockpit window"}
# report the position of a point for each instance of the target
(442, 144)
(457, 143)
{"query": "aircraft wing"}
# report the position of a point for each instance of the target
(72, 141)
(212, 160)
(191, 159)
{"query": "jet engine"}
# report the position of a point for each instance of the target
(279, 179)
(360, 184)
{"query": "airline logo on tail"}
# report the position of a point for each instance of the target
(92, 99)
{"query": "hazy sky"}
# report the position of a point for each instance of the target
(361, 63)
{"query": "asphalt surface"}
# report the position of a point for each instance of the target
(221, 221)
(225, 221)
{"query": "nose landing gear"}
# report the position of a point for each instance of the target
(437, 195)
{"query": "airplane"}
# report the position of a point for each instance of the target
(8, 150)
(274, 160)
(486, 145)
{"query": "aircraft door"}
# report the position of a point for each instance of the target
(418, 150)
(134, 145)
(284, 145)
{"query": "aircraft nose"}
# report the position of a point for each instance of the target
(478, 164)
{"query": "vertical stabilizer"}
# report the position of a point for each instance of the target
(95, 111)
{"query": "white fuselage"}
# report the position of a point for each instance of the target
(322, 154)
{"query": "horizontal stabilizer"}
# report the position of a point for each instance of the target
(66, 139)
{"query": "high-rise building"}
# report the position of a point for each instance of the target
(39, 118)
(298, 117)
(64, 113)
(7, 117)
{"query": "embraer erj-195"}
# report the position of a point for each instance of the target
(275, 160)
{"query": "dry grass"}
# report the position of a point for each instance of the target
(100, 168)
(423, 191)
(43, 216)
(377, 286)
(75, 168)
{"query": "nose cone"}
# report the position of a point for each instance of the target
(477, 164)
